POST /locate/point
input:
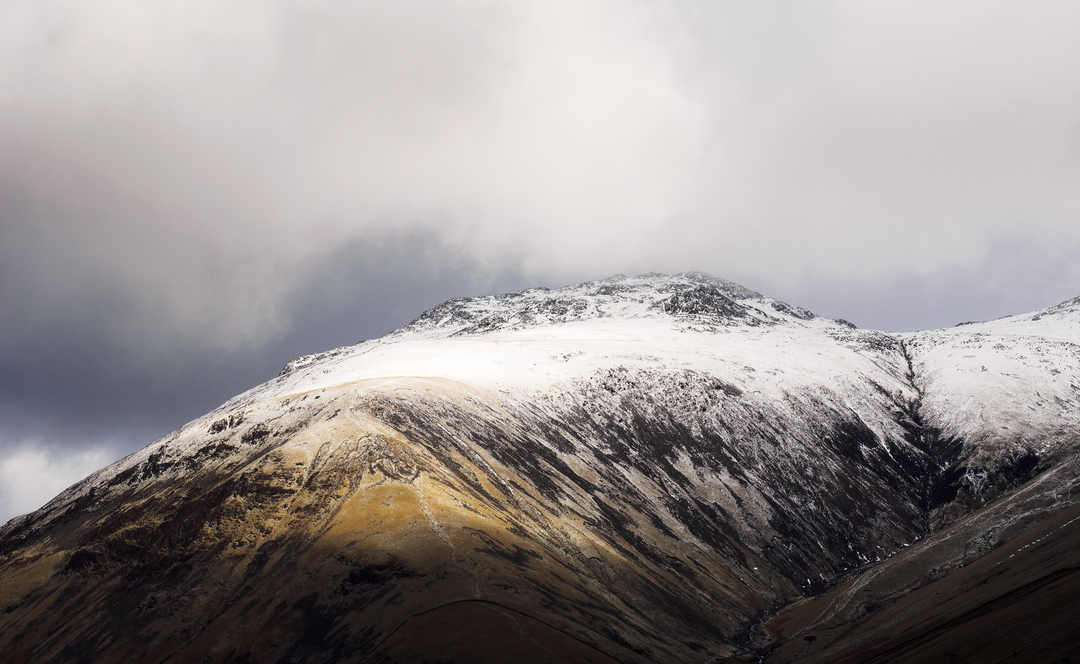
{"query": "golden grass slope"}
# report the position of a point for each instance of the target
(318, 540)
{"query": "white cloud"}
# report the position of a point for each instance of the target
(31, 474)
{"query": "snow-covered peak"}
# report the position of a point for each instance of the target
(689, 296)
(689, 302)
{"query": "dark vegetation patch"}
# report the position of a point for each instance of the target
(1019, 467)
(976, 486)
(208, 452)
(513, 553)
(848, 438)
(374, 574)
(256, 434)
(83, 561)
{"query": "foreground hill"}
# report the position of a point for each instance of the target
(661, 468)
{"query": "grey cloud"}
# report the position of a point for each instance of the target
(72, 374)
(194, 159)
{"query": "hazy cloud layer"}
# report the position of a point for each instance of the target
(30, 474)
(190, 191)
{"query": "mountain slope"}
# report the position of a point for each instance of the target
(642, 469)
(994, 581)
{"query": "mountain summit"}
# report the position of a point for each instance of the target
(659, 468)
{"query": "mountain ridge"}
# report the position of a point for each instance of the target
(658, 467)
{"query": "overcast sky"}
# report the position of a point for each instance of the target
(193, 192)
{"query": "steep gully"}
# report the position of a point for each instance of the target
(938, 475)
(988, 578)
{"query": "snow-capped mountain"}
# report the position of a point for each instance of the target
(659, 468)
